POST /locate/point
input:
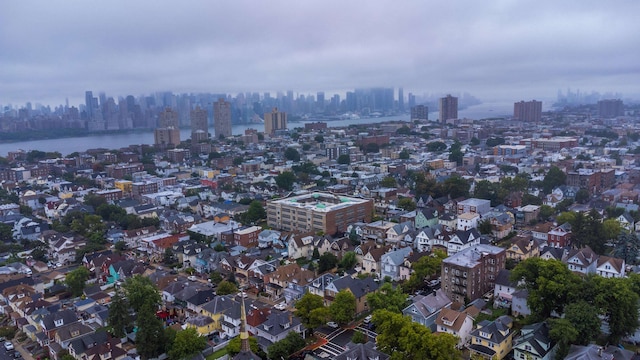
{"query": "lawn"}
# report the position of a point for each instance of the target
(218, 354)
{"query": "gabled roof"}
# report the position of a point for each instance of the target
(429, 304)
(67, 316)
(616, 263)
(358, 287)
(536, 336)
(366, 351)
(451, 319)
(503, 278)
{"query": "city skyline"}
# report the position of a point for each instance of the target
(490, 50)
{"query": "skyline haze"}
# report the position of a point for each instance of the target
(498, 51)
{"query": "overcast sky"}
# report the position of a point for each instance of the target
(496, 50)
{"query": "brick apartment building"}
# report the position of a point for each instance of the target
(470, 273)
(318, 211)
(594, 181)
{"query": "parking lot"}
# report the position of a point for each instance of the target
(337, 339)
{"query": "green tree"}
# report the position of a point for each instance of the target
(344, 159)
(550, 285)
(319, 138)
(584, 318)
(235, 344)
(388, 298)
(546, 212)
(327, 262)
(215, 277)
(226, 288)
(304, 307)
(554, 178)
(256, 212)
(436, 146)
(349, 260)
(404, 154)
(564, 334)
(582, 196)
(343, 307)
(455, 153)
(494, 141)
(627, 247)
(292, 154)
(120, 246)
(566, 217)
(405, 339)
(456, 186)
(424, 268)
(484, 227)
(284, 348)
(150, 335)
(76, 280)
(620, 306)
(611, 228)
(372, 148)
(285, 180)
(119, 319)
(168, 258)
(187, 344)
(140, 291)
(388, 181)
(358, 337)
(407, 204)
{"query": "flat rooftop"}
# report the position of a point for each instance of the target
(471, 257)
(321, 202)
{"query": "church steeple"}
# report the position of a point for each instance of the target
(245, 348)
(244, 334)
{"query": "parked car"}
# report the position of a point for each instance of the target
(17, 355)
(192, 278)
(332, 325)
(367, 319)
(280, 306)
(8, 345)
(242, 294)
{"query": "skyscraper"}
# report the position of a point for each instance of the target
(529, 111)
(199, 125)
(275, 120)
(88, 102)
(320, 101)
(400, 99)
(168, 132)
(420, 112)
(448, 108)
(222, 118)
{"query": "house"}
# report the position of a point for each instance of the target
(534, 343)
(341, 246)
(467, 221)
(581, 260)
(372, 258)
(52, 322)
(610, 267)
(203, 324)
(391, 262)
(360, 288)
(552, 253)
(501, 223)
(519, 304)
(278, 325)
(456, 323)
(318, 285)
(289, 281)
(595, 351)
(522, 248)
(503, 289)
(397, 233)
(426, 216)
(267, 237)
(97, 345)
(560, 236)
(215, 309)
(541, 231)
(424, 309)
(367, 351)
(626, 221)
(492, 339)
(462, 239)
(300, 245)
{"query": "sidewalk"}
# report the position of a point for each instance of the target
(25, 354)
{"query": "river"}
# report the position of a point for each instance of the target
(115, 141)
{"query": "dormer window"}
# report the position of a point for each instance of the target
(58, 322)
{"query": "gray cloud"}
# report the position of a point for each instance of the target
(496, 50)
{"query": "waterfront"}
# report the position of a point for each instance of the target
(119, 140)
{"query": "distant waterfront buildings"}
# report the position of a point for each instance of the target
(420, 112)
(448, 108)
(222, 118)
(168, 133)
(199, 125)
(528, 111)
(275, 120)
(610, 108)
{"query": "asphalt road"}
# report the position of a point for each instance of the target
(4, 354)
